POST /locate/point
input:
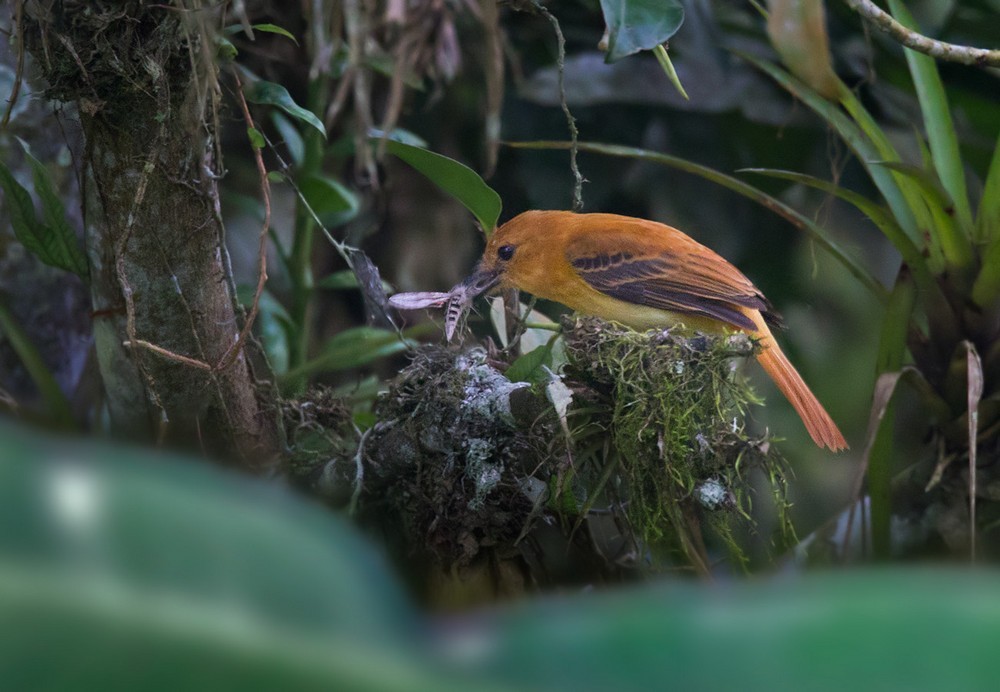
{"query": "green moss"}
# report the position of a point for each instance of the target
(674, 407)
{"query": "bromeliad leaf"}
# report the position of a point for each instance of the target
(636, 25)
(271, 94)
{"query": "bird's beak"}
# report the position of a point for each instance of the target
(481, 281)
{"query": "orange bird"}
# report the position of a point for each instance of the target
(645, 275)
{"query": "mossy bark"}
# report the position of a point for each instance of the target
(143, 79)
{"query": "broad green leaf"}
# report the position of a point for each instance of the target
(938, 123)
(637, 25)
(456, 179)
(891, 628)
(53, 240)
(800, 221)
(124, 568)
(398, 135)
(333, 203)
(271, 94)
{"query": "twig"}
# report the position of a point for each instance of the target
(265, 190)
(951, 52)
(19, 74)
(343, 249)
(169, 355)
(570, 120)
(359, 473)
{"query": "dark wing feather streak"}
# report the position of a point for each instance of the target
(657, 282)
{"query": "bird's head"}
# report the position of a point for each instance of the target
(515, 255)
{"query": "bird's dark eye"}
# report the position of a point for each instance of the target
(505, 252)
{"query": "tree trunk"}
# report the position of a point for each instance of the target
(144, 80)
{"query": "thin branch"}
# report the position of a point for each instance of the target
(951, 52)
(359, 472)
(169, 355)
(19, 74)
(570, 120)
(265, 190)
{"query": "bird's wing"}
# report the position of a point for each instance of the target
(680, 276)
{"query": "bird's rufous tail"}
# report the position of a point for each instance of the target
(821, 427)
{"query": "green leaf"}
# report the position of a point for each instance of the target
(933, 297)
(274, 325)
(954, 243)
(876, 214)
(53, 242)
(332, 202)
(290, 136)
(815, 631)
(271, 94)
(256, 138)
(225, 49)
(122, 568)
(266, 28)
(814, 230)
(986, 289)
(456, 179)
(938, 123)
(988, 215)
(668, 68)
(353, 348)
(275, 29)
(528, 368)
(637, 25)
(891, 355)
(863, 137)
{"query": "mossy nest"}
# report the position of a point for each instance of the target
(674, 407)
(451, 458)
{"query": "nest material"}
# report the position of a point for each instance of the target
(466, 460)
(674, 407)
(449, 456)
